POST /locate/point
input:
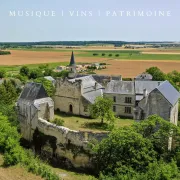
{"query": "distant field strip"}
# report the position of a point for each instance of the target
(129, 55)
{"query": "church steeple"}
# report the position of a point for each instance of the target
(72, 61)
(72, 67)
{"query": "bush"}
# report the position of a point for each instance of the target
(103, 54)
(15, 154)
(5, 52)
(35, 73)
(110, 55)
(58, 122)
(2, 73)
(117, 55)
(24, 71)
(95, 54)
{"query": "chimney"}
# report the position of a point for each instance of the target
(95, 85)
(144, 93)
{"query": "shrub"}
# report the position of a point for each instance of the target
(35, 73)
(58, 122)
(103, 54)
(14, 153)
(24, 71)
(110, 55)
(2, 73)
(5, 52)
(95, 54)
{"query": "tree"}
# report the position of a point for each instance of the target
(50, 89)
(8, 93)
(24, 71)
(158, 131)
(2, 73)
(102, 108)
(123, 149)
(35, 73)
(48, 72)
(157, 74)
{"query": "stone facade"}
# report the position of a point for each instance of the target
(75, 95)
(140, 99)
(121, 107)
(156, 103)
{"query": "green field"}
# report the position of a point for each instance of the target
(15, 68)
(129, 55)
(122, 54)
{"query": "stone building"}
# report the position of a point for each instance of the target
(123, 95)
(74, 95)
(33, 104)
(140, 99)
(162, 100)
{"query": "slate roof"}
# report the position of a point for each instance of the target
(101, 78)
(90, 89)
(144, 76)
(120, 87)
(72, 61)
(33, 91)
(148, 85)
(50, 78)
(169, 92)
(48, 100)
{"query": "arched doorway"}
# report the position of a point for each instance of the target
(70, 108)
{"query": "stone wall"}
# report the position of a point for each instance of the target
(71, 145)
(174, 114)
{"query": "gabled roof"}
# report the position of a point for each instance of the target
(72, 61)
(33, 91)
(144, 76)
(120, 87)
(101, 78)
(148, 85)
(169, 92)
(90, 89)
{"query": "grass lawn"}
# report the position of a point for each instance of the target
(15, 172)
(87, 124)
(19, 173)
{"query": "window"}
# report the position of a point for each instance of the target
(137, 102)
(128, 99)
(128, 110)
(114, 98)
(114, 108)
(85, 109)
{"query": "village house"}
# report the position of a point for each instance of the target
(140, 99)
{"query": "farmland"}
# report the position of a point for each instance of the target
(128, 63)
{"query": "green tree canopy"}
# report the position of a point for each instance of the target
(102, 108)
(24, 71)
(157, 74)
(2, 73)
(35, 73)
(50, 89)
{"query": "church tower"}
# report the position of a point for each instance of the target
(72, 67)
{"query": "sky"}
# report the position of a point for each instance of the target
(93, 26)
